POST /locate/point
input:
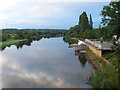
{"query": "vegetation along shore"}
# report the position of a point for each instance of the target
(19, 36)
(106, 75)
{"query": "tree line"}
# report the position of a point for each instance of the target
(29, 34)
(110, 19)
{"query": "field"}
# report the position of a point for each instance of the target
(10, 42)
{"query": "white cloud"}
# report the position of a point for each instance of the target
(4, 4)
(28, 13)
(37, 12)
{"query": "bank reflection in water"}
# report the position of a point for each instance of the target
(47, 63)
(21, 44)
(81, 58)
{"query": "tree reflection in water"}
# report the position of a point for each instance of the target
(21, 44)
(82, 60)
(81, 57)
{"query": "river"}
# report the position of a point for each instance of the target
(47, 63)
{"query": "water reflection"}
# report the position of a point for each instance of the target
(82, 58)
(47, 63)
(21, 44)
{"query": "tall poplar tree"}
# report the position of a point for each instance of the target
(83, 22)
(91, 22)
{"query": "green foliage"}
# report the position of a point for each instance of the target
(113, 58)
(10, 42)
(83, 30)
(91, 22)
(74, 31)
(88, 34)
(70, 40)
(83, 22)
(27, 34)
(111, 12)
(107, 77)
(111, 16)
(20, 34)
(13, 36)
(16, 36)
(5, 37)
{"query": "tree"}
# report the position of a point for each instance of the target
(83, 22)
(111, 16)
(91, 22)
(4, 38)
(20, 34)
(74, 31)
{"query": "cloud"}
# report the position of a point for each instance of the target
(35, 9)
(43, 14)
(29, 14)
(15, 75)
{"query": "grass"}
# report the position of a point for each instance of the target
(106, 76)
(70, 40)
(113, 58)
(10, 42)
(75, 38)
(93, 56)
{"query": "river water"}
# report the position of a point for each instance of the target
(47, 63)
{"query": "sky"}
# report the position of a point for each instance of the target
(48, 14)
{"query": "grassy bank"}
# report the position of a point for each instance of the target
(93, 56)
(113, 58)
(11, 42)
(70, 40)
(104, 77)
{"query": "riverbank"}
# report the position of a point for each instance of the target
(70, 40)
(105, 75)
(11, 42)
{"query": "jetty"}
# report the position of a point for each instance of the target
(80, 46)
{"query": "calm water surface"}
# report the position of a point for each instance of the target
(47, 63)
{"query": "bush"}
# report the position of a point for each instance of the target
(4, 38)
(107, 77)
